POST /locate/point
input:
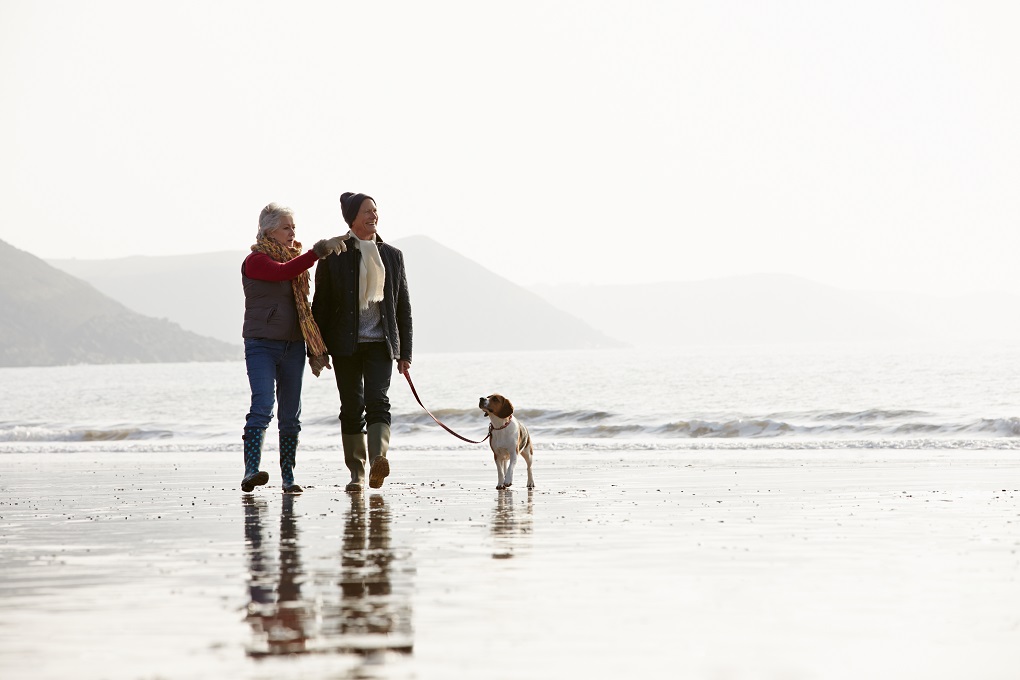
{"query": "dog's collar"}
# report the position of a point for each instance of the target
(501, 427)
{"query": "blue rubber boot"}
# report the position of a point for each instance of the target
(253, 477)
(288, 461)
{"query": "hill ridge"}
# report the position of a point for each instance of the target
(54, 318)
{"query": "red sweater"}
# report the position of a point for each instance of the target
(264, 268)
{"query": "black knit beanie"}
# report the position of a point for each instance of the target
(350, 204)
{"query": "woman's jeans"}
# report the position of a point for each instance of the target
(275, 366)
(363, 380)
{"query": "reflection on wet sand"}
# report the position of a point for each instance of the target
(510, 523)
(276, 612)
(361, 605)
(372, 613)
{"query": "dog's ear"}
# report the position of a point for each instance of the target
(504, 409)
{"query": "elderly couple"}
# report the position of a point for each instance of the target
(360, 316)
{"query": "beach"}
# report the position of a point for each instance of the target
(687, 563)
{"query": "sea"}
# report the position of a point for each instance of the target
(935, 396)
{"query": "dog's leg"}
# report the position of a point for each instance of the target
(508, 478)
(499, 469)
(528, 453)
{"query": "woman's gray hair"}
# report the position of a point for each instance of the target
(270, 218)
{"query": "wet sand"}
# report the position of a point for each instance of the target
(688, 564)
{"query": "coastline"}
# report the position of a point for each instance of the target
(686, 563)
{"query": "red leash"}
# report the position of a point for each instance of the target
(407, 374)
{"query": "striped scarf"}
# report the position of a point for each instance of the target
(318, 355)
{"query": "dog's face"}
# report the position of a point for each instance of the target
(497, 405)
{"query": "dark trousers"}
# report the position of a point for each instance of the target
(363, 380)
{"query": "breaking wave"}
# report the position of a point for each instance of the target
(879, 423)
(873, 428)
(38, 433)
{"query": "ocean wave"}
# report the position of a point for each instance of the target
(454, 447)
(572, 425)
(866, 416)
(851, 426)
(474, 416)
(875, 423)
(42, 433)
(597, 424)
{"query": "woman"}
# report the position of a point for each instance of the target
(363, 308)
(278, 332)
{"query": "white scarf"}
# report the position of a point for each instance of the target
(372, 276)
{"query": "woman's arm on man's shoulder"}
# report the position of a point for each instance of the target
(264, 268)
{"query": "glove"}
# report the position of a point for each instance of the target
(330, 246)
(318, 363)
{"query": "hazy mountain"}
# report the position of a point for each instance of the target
(53, 318)
(200, 292)
(461, 306)
(774, 308)
(457, 304)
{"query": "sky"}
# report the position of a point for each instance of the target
(869, 145)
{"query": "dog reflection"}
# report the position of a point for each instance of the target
(276, 611)
(373, 613)
(510, 523)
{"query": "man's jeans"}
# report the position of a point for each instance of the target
(363, 380)
(275, 366)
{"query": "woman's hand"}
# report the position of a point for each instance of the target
(330, 246)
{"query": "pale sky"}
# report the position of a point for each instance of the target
(867, 145)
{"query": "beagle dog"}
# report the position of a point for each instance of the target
(508, 438)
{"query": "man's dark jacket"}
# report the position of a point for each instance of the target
(335, 303)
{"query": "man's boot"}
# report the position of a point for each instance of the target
(355, 456)
(378, 445)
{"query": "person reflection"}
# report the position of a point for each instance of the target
(276, 611)
(507, 527)
(373, 614)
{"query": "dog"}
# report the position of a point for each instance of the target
(508, 438)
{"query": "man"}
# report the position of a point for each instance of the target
(362, 307)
